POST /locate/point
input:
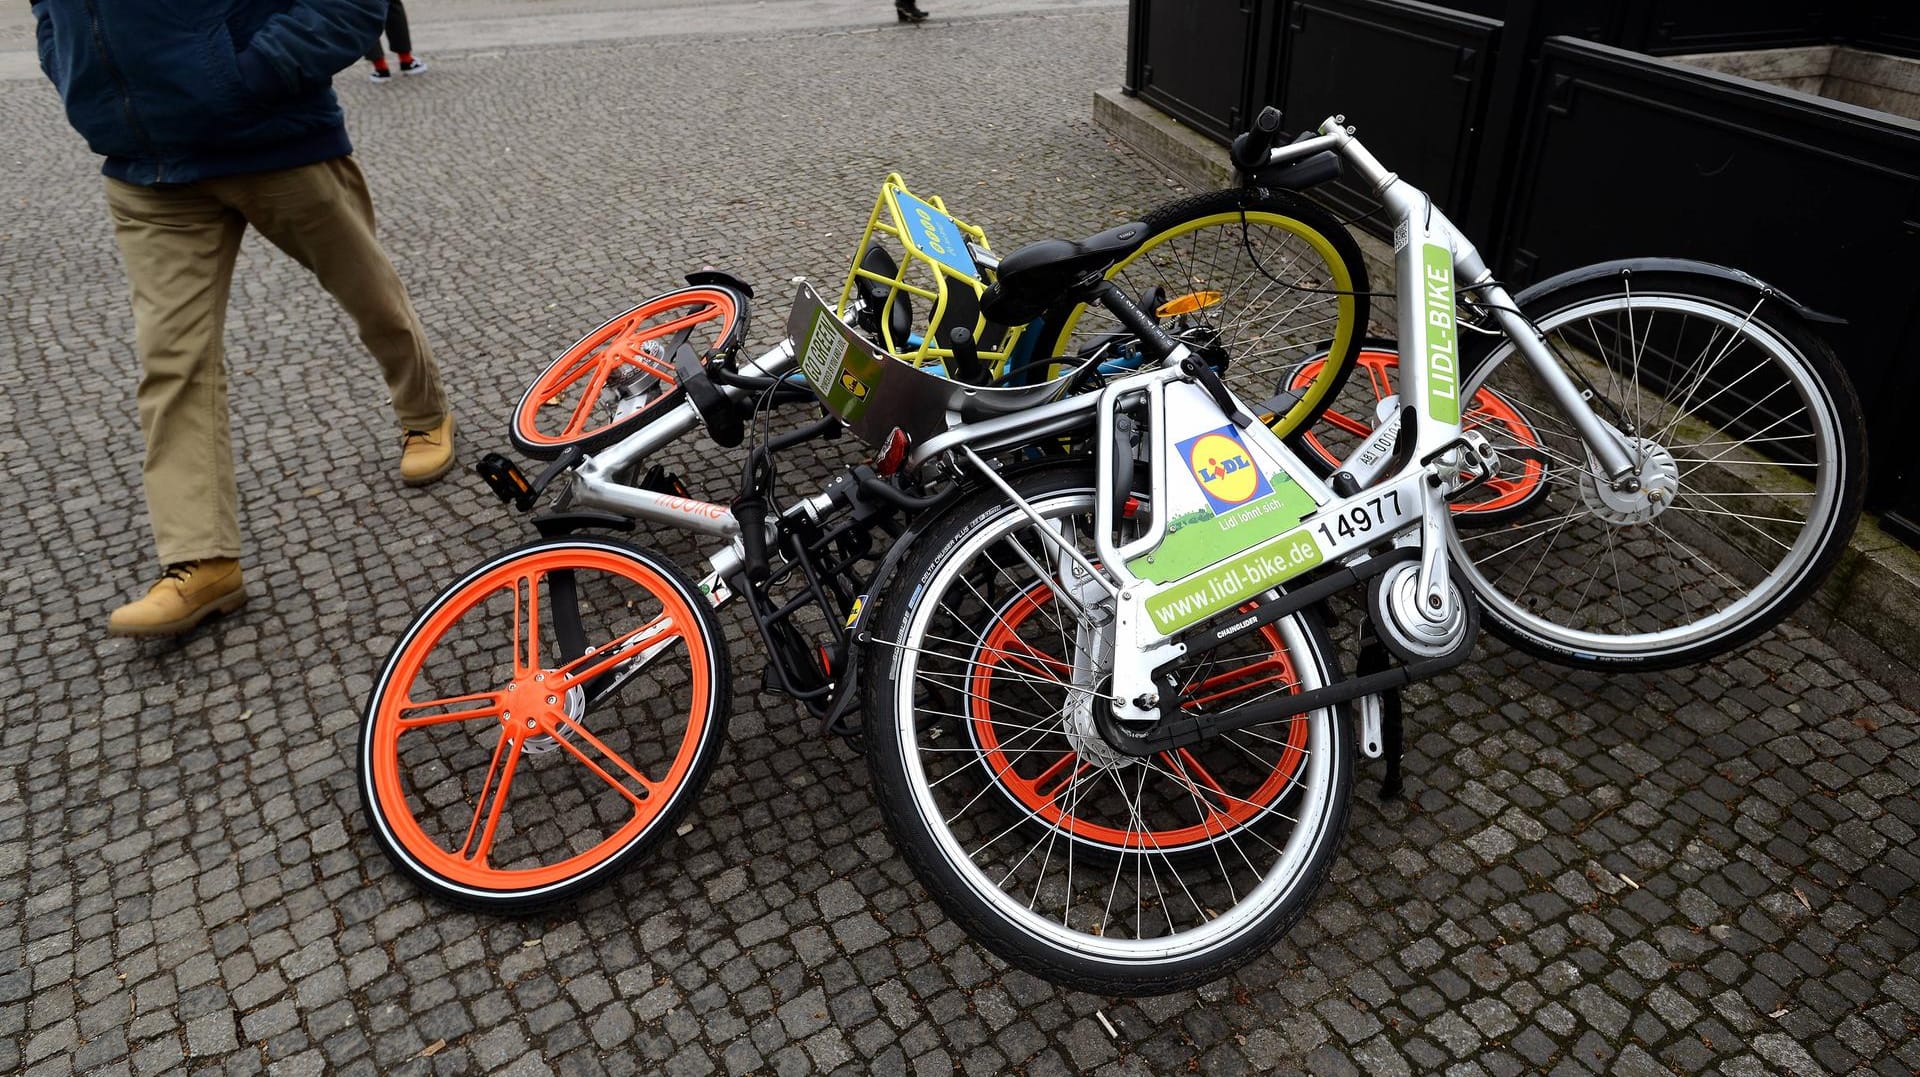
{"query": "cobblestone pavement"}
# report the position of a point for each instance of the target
(1706, 869)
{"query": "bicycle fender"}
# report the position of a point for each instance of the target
(1686, 266)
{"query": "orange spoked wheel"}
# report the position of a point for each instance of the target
(546, 720)
(620, 377)
(1188, 801)
(1522, 478)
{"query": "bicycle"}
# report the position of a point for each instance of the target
(1081, 635)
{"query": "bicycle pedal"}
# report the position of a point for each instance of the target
(505, 479)
(661, 481)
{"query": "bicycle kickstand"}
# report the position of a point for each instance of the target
(1382, 725)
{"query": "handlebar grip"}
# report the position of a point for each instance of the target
(1250, 149)
(966, 356)
(751, 511)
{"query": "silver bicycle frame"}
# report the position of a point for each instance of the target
(1429, 255)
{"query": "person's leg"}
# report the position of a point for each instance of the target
(322, 215)
(179, 247)
(398, 35)
(379, 56)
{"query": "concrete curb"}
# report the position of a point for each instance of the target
(1869, 608)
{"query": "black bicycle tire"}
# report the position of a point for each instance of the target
(1849, 424)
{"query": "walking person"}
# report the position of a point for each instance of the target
(401, 39)
(210, 123)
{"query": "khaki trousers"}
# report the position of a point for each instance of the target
(179, 244)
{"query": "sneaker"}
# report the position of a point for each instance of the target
(425, 455)
(380, 74)
(909, 11)
(413, 67)
(187, 594)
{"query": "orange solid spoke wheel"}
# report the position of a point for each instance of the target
(1353, 415)
(621, 376)
(548, 717)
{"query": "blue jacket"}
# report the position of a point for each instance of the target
(173, 91)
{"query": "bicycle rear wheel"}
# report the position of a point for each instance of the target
(1747, 437)
(1077, 863)
(1273, 278)
(544, 722)
(1013, 677)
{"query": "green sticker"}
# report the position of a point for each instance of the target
(1233, 582)
(1443, 341)
(1198, 538)
(841, 375)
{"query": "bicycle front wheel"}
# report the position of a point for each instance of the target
(621, 376)
(1274, 279)
(545, 721)
(1746, 437)
(1084, 866)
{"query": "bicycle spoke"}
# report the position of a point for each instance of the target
(490, 705)
(491, 800)
(526, 624)
(656, 633)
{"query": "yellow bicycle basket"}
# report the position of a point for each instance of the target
(936, 265)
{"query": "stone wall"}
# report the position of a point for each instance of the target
(1868, 79)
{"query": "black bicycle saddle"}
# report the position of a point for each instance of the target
(1038, 275)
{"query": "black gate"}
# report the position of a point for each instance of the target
(1552, 133)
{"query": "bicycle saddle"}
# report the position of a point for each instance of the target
(1041, 274)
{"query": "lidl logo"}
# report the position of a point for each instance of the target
(1224, 469)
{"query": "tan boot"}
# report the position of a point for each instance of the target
(189, 593)
(425, 455)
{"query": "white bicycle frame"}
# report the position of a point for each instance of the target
(1429, 255)
(1406, 507)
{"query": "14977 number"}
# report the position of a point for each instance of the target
(1362, 518)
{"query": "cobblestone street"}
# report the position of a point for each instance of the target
(1712, 869)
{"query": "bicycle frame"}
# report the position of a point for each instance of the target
(1413, 463)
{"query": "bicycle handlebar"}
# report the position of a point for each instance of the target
(1250, 150)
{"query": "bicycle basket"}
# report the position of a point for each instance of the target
(875, 393)
(936, 266)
